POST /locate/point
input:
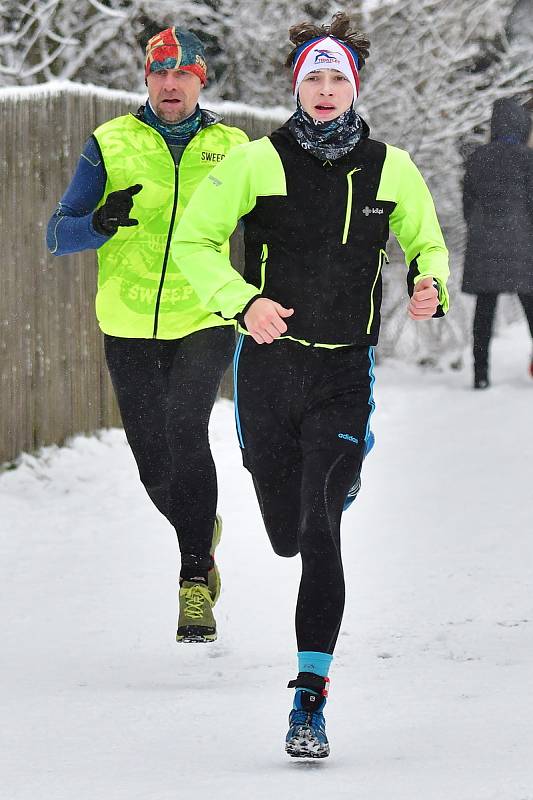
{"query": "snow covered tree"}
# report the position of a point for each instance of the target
(254, 45)
(91, 41)
(96, 41)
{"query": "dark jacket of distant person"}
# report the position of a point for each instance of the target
(498, 206)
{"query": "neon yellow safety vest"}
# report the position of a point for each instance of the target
(141, 291)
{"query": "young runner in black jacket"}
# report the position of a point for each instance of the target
(317, 198)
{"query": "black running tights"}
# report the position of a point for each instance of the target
(165, 392)
(303, 416)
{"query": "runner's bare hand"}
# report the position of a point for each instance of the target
(264, 320)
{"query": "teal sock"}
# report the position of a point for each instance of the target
(318, 663)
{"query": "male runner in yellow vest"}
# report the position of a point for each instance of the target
(165, 353)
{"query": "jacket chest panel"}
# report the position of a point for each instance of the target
(147, 161)
(327, 206)
(198, 160)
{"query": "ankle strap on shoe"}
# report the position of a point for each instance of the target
(312, 682)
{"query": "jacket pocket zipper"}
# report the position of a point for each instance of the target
(349, 203)
(264, 259)
(382, 256)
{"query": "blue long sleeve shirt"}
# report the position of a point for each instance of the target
(70, 227)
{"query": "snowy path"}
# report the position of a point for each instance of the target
(431, 687)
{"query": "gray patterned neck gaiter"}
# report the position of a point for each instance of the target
(327, 141)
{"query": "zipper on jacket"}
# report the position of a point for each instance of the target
(349, 203)
(382, 256)
(172, 218)
(264, 259)
(174, 207)
(169, 239)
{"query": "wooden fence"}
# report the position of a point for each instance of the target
(53, 379)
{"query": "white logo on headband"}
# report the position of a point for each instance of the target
(327, 57)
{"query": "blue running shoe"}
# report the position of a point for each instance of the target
(354, 490)
(307, 727)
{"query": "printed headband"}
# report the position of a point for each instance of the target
(175, 48)
(325, 52)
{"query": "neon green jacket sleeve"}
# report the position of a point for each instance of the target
(414, 221)
(227, 194)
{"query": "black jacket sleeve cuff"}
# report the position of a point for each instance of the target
(240, 316)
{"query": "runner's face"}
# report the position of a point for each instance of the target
(173, 93)
(325, 94)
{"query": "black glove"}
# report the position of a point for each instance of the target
(115, 212)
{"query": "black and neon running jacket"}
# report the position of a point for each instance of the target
(315, 234)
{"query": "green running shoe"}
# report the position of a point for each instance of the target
(213, 576)
(196, 622)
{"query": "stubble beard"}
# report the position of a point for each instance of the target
(173, 118)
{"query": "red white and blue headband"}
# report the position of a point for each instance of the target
(325, 53)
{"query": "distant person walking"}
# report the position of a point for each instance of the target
(498, 209)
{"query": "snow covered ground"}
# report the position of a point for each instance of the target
(431, 693)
